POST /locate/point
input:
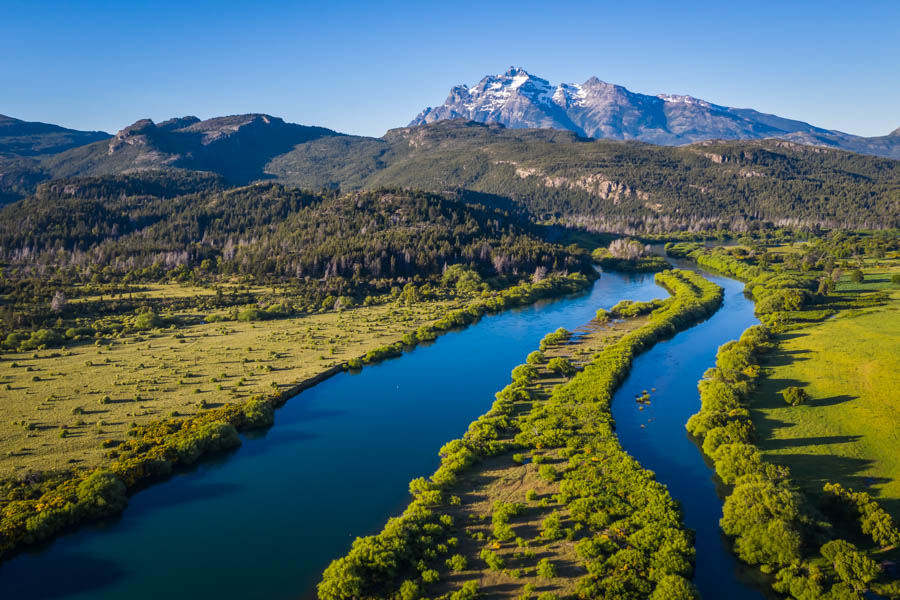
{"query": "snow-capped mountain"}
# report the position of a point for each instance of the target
(597, 109)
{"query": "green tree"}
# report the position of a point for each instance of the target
(851, 565)
(457, 562)
(795, 396)
(546, 569)
(561, 366)
(524, 374)
(535, 358)
(674, 587)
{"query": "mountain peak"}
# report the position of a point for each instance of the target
(895, 133)
(595, 108)
(516, 71)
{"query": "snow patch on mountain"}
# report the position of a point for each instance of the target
(595, 108)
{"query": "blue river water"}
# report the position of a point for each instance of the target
(264, 520)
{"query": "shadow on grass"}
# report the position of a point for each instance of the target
(811, 441)
(817, 469)
(782, 358)
(832, 400)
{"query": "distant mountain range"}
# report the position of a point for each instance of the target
(597, 109)
(23, 138)
(554, 173)
(237, 147)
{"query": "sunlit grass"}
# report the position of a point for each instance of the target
(850, 366)
(94, 392)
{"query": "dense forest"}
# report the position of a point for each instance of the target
(111, 235)
(127, 226)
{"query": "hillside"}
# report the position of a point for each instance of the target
(142, 226)
(24, 138)
(605, 184)
(555, 175)
(235, 147)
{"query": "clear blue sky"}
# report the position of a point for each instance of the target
(364, 67)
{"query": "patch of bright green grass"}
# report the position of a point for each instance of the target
(850, 431)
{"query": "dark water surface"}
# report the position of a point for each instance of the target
(264, 520)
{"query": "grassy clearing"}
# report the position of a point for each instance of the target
(504, 478)
(850, 366)
(94, 392)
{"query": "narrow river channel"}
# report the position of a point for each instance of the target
(264, 520)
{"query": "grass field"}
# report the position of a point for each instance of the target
(60, 405)
(850, 365)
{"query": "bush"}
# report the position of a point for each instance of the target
(524, 374)
(795, 396)
(674, 587)
(535, 358)
(457, 562)
(547, 472)
(551, 527)
(546, 569)
(494, 562)
(556, 337)
(561, 366)
(430, 576)
(148, 320)
(851, 565)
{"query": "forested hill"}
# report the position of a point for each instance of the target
(612, 185)
(267, 232)
(552, 175)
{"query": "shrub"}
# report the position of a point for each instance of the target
(469, 591)
(851, 565)
(795, 396)
(556, 337)
(457, 562)
(551, 527)
(524, 374)
(674, 587)
(535, 358)
(546, 569)
(561, 366)
(547, 472)
(430, 576)
(494, 562)
(148, 320)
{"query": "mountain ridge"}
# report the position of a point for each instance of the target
(235, 146)
(601, 110)
(34, 138)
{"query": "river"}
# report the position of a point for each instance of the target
(264, 520)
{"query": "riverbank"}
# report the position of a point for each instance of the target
(573, 425)
(34, 508)
(375, 430)
(792, 535)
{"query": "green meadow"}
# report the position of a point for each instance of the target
(849, 364)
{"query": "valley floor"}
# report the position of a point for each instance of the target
(95, 392)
